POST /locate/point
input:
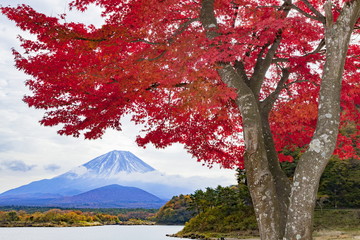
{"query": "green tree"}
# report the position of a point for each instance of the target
(176, 211)
(12, 216)
(341, 183)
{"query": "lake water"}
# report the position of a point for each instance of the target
(113, 232)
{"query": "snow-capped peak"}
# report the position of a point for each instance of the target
(114, 162)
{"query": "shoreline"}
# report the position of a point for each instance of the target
(324, 234)
(82, 224)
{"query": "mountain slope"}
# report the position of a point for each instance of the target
(111, 196)
(95, 173)
(60, 186)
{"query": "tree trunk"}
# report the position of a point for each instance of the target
(284, 211)
(260, 179)
(313, 162)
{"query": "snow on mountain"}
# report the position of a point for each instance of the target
(115, 162)
(110, 165)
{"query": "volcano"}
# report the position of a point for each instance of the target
(113, 168)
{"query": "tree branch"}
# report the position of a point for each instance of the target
(317, 18)
(267, 104)
(180, 30)
(262, 65)
(318, 48)
(208, 20)
(154, 58)
(318, 14)
(236, 13)
(328, 14)
(90, 39)
(148, 42)
(240, 69)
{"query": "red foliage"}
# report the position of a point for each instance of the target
(152, 59)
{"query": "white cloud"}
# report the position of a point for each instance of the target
(79, 171)
(16, 166)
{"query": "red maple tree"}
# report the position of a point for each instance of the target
(235, 81)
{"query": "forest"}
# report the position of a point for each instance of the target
(228, 210)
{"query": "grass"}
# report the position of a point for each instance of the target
(337, 219)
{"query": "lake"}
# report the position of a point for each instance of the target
(113, 232)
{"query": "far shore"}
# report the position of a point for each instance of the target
(81, 224)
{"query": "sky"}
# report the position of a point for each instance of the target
(29, 151)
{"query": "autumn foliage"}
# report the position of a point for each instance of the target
(55, 217)
(43, 217)
(152, 59)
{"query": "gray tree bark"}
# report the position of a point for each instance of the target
(285, 211)
(313, 162)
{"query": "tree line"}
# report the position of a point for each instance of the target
(223, 209)
(59, 217)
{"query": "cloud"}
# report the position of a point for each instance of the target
(76, 172)
(156, 177)
(52, 167)
(16, 166)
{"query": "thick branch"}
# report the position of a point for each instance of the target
(208, 19)
(282, 183)
(268, 102)
(328, 14)
(240, 69)
(262, 65)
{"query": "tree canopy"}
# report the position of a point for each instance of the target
(153, 59)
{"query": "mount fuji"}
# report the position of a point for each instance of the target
(114, 162)
(113, 168)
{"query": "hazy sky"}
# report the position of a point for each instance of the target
(31, 152)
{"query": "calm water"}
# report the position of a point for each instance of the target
(91, 233)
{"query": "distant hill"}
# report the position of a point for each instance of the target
(111, 196)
